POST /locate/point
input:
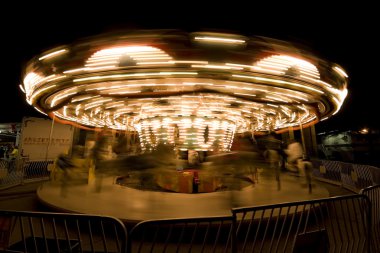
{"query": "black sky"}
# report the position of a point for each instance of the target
(344, 35)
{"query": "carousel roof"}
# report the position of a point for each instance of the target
(123, 80)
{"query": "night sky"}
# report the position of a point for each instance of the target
(343, 35)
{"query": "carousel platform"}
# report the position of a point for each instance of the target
(103, 196)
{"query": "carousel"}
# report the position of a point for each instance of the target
(192, 91)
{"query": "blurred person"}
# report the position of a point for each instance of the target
(61, 173)
(273, 157)
(14, 152)
(307, 167)
(99, 153)
(294, 153)
(12, 158)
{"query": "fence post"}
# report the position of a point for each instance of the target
(233, 234)
(369, 220)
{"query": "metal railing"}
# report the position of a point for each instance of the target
(36, 170)
(339, 224)
(23, 171)
(353, 177)
(57, 232)
(209, 234)
(373, 193)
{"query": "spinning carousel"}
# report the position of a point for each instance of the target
(193, 91)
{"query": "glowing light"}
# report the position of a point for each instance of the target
(219, 40)
(288, 65)
(132, 75)
(216, 66)
(40, 111)
(21, 88)
(53, 54)
(340, 71)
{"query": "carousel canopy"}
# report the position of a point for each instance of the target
(195, 89)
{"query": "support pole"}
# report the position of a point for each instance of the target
(50, 135)
(291, 133)
(302, 135)
(314, 140)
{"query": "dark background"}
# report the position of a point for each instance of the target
(343, 34)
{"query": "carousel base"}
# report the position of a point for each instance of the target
(102, 196)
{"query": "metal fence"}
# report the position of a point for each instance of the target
(338, 224)
(350, 176)
(209, 234)
(373, 193)
(57, 232)
(22, 171)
